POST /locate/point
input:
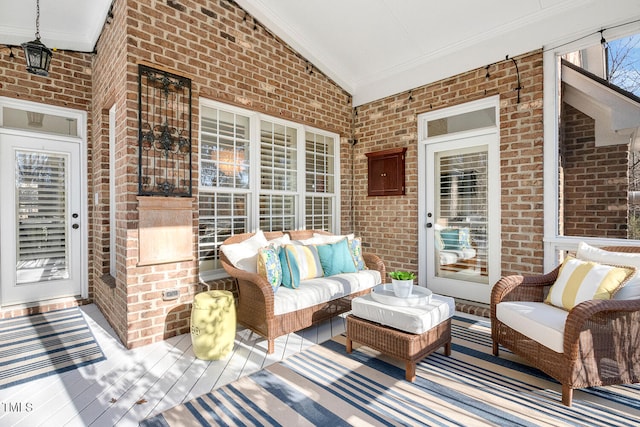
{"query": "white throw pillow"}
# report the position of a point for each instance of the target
(280, 241)
(244, 255)
(631, 289)
(324, 239)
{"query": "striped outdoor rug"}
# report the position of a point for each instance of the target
(325, 386)
(44, 344)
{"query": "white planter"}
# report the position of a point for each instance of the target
(402, 288)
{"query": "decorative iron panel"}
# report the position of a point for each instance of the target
(164, 142)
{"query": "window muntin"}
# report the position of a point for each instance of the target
(221, 216)
(319, 212)
(278, 157)
(319, 163)
(224, 150)
(320, 181)
(289, 183)
(277, 212)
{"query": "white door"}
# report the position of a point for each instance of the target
(40, 218)
(459, 201)
(458, 211)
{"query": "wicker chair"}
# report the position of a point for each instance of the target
(601, 337)
(255, 306)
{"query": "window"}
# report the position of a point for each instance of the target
(289, 182)
(589, 152)
(320, 181)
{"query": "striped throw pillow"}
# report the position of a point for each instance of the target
(580, 281)
(302, 262)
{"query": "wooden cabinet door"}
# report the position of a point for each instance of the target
(386, 172)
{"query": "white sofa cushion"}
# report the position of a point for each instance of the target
(541, 322)
(323, 289)
(631, 289)
(447, 257)
(451, 256)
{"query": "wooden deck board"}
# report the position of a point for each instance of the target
(164, 374)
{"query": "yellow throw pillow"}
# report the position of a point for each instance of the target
(580, 281)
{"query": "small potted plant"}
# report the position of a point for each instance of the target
(402, 283)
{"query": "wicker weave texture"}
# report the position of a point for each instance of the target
(601, 337)
(405, 346)
(395, 343)
(255, 304)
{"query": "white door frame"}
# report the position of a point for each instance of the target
(81, 140)
(494, 220)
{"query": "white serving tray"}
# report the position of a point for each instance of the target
(384, 294)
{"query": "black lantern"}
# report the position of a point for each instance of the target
(38, 56)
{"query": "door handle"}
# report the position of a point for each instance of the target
(75, 226)
(429, 225)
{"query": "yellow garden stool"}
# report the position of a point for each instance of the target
(213, 324)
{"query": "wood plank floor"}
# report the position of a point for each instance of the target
(131, 385)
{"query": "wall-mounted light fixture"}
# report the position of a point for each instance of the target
(38, 56)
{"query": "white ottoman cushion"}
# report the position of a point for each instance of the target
(415, 320)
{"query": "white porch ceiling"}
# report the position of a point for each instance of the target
(64, 24)
(376, 48)
(372, 48)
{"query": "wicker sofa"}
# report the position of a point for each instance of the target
(599, 342)
(257, 307)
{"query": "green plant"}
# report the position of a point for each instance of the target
(402, 275)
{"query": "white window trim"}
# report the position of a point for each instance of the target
(112, 191)
(254, 166)
(552, 241)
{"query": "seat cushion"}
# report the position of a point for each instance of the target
(541, 322)
(448, 257)
(323, 289)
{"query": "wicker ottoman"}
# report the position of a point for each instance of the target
(406, 346)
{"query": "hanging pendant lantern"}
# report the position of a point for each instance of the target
(38, 56)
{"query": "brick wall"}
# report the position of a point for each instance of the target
(68, 85)
(390, 224)
(596, 181)
(214, 44)
(110, 89)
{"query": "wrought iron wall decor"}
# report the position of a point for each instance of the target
(164, 142)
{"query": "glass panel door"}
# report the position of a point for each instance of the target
(462, 243)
